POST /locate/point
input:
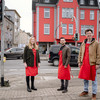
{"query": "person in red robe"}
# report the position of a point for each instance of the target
(64, 68)
(89, 61)
(31, 62)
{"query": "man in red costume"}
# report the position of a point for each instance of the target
(89, 61)
(64, 68)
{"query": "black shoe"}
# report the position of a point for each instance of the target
(64, 91)
(60, 89)
(29, 90)
(33, 88)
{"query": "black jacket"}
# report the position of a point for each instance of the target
(29, 57)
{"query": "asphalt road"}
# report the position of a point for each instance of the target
(18, 64)
(16, 67)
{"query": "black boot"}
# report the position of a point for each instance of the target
(65, 88)
(32, 83)
(28, 86)
(62, 86)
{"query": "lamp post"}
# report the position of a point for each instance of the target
(56, 32)
(2, 44)
(76, 29)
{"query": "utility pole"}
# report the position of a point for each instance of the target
(2, 40)
(76, 30)
(56, 32)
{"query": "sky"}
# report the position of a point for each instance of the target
(24, 8)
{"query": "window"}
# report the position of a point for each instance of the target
(46, 1)
(82, 14)
(91, 2)
(82, 29)
(15, 29)
(46, 28)
(91, 15)
(15, 16)
(63, 13)
(92, 28)
(16, 23)
(19, 49)
(85, 27)
(70, 29)
(67, 12)
(64, 29)
(68, 0)
(46, 12)
(82, 2)
(71, 13)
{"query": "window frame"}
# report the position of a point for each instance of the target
(64, 29)
(86, 27)
(92, 14)
(67, 12)
(46, 12)
(71, 29)
(91, 2)
(67, 0)
(82, 2)
(46, 27)
(82, 14)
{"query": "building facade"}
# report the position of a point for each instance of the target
(8, 32)
(15, 17)
(53, 19)
(23, 38)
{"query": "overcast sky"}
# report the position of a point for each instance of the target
(24, 8)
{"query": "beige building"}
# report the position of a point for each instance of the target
(23, 38)
(15, 17)
(8, 32)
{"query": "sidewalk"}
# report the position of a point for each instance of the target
(47, 84)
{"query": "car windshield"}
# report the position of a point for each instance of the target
(11, 49)
(75, 51)
(55, 49)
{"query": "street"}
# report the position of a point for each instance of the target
(46, 82)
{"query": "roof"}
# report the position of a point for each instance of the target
(87, 3)
(7, 17)
(34, 2)
(14, 11)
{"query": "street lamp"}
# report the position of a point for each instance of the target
(56, 31)
(76, 29)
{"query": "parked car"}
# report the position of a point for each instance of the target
(15, 52)
(54, 57)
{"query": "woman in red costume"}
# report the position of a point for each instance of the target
(64, 68)
(31, 62)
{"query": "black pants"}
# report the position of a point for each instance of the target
(28, 82)
(64, 85)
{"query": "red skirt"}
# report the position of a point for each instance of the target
(32, 71)
(63, 73)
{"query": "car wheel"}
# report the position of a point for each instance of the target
(55, 62)
(5, 56)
